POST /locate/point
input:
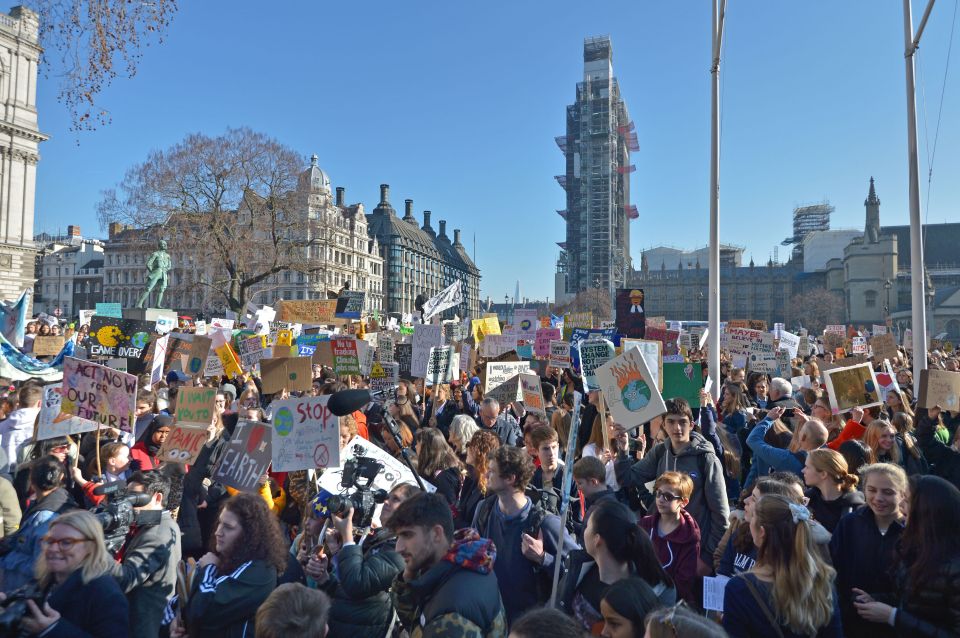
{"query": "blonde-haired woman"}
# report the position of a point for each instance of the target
(789, 591)
(831, 488)
(888, 445)
(75, 566)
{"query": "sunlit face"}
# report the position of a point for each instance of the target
(417, 546)
(143, 407)
(668, 500)
(65, 548)
(749, 503)
(888, 438)
(220, 403)
(811, 475)
(821, 411)
(229, 531)
(678, 428)
(120, 461)
(488, 415)
(60, 451)
(344, 435)
(761, 388)
(549, 455)
(882, 495)
(893, 400)
(737, 377)
(615, 625)
(495, 482)
(393, 501)
(756, 531)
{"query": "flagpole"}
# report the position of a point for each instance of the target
(713, 302)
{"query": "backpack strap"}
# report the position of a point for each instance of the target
(762, 602)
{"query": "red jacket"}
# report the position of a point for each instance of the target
(140, 453)
(678, 552)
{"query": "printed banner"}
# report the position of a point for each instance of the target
(631, 320)
(560, 354)
(98, 393)
(525, 322)
(593, 354)
(350, 304)
(532, 394)
(112, 337)
(345, 358)
(306, 435)
(384, 377)
(449, 297)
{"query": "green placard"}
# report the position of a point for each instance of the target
(683, 380)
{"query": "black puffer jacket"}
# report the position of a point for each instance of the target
(361, 600)
(933, 611)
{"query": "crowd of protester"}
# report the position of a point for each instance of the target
(819, 524)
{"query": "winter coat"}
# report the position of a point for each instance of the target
(96, 609)
(14, 431)
(767, 458)
(225, 605)
(708, 504)
(933, 610)
(9, 507)
(360, 587)
(506, 428)
(678, 552)
(449, 410)
(457, 596)
(829, 513)
(147, 573)
(944, 459)
(24, 544)
(470, 497)
(863, 559)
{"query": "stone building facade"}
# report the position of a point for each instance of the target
(69, 273)
(19, 148)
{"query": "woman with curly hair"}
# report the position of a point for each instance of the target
(474, 489)
(238, 575)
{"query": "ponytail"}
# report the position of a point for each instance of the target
(848, 482)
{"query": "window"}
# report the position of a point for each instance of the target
(870, 299)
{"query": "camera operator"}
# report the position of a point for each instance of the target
(146, 567)
(363, 572)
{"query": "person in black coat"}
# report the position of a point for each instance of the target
(86, 599)
(944, 459)
(440, 410)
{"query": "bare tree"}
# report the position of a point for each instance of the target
(228, 202)
(815, 309)
(595, 300)
(94, 41)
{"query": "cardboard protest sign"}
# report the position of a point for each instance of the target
(442, 365)
(667, 337)
(501, 382)
(246, 457)
(250, 350)
(839, 329)
(309, 312)
(214, 367)
(293, 373)
(112, 337)
(424, 338)
(306, 435)
(345, 358)
(159, 356)
(803, 349)
(482, 328)
(52, 422)
(532, 394)
(541, 344)
(47, 346)
(578, 320)
(350, 304)
(852, 387)
(859, 346)
(887, 381)
(631, 318)
(683, 380)
(593, 354)
(403, 355)
(196, 361)
(109, 310)
(884, 347)
(651, 355)
(525, 321)
(97, 393)
(496, 345)
(507, 392)
(939, 388)
(384, 376)
(184, 443)
(629, 389)
(560, 354)
(195, 406)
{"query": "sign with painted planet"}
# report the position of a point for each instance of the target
(307, 435)
(629, 389)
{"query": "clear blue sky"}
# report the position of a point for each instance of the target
(456, 105)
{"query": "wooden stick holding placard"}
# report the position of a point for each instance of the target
(602, 410)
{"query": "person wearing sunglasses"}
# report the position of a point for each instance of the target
(674, 533)
(74, 567)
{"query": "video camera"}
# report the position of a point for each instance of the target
(358, 475)
(116, 514)
(15, 608)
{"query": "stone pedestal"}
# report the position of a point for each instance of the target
(148, 314)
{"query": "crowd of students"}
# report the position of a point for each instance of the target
(825, 524)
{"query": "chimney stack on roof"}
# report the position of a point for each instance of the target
(384, 194)
(340, 192)
(408, 212)
(456, 237)
(426, 224)
(443, 229)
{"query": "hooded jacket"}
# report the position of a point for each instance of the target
(224, 605)
(14, 431)
(708, 504)
(457, 596)
(677, 552)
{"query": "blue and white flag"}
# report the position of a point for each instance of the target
(13, 318)
(17, 366)
(449, 297)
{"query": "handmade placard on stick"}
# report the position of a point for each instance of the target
(593, 354)
(195, 406)
(47, 346)
(345, 358)
(939, 388)
(852, 387)
(292, 373)
(98, 393)
(306, 435)
(52, 422)
(683, 380)
(184, 443)
(559, 354)
(246, 458)
(651, 355)
(532, 393)
(424, 338)
(630, 389)
(311, 312)
(442, 366)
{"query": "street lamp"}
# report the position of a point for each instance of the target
(887, 285)
(930, 295)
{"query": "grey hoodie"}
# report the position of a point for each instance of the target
(708, 503)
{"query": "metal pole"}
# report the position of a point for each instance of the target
(713, 302)
(918, 296)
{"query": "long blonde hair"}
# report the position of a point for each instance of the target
(96, 563)
(802, 581)
(833, 463)
(872, 437)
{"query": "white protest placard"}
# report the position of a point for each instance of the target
(393, 473)
(532, 393)
(166, 323)
(200, 328)
(629, 389)
(496, 345)
(425, 336)
(223, 324)
(465, 357)
(559, 354)
(789, 342)
(859, 345)
(385, 346)
(651, 351)
(53, 423)
(384, 376)
(743, 340)
(306, 435)
(443, 365)
(525, 322)
(365, 353)
(502, 382)
(159, 356)
(878, 330)
(714, 588)
(593, 354)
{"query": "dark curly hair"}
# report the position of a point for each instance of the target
(516, 462)
(262, 539)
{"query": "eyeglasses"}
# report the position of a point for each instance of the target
(64, 544)
(667, 496)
